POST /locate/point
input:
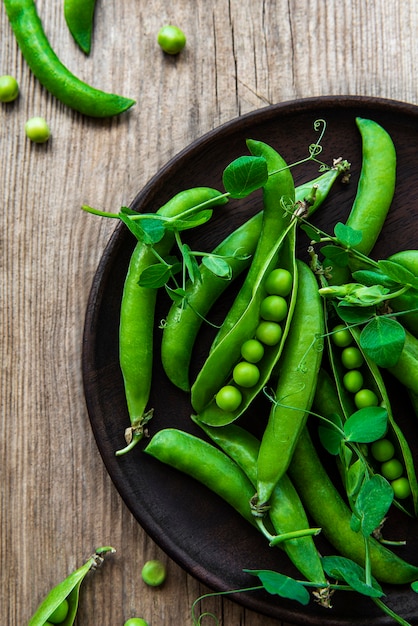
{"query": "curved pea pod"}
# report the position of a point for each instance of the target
(79, 16)
(68, 589)
(217, 369)
(202, 461)
(376, 185)
(184, 320)
(329, 511)
(406, 368)
(409, 300)
(297, 376)
(374, 381)
(136, 325)
(286, 511)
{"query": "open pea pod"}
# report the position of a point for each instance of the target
(228, 350)
(374, 382)
(68, 589)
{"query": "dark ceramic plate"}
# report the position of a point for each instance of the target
(192, 525)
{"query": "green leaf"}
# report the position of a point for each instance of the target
(312, 233)
(344, 569)
(355, 477)
(331, 439)
(372, 504)
(178, 296)
(383, 340)
(347, 236)
(353, 314)
(245, 175)
(281, 585)
(179, 224)
(414, 586)
(190, 263)
(218, 266)
(337, 256)
(398, 273)
(371, 278)
(155, 276)
(366, 425)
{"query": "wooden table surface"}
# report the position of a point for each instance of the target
(57, 501)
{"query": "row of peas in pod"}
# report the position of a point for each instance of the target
(273, 310)
(354, 377)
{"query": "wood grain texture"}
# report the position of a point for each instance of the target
(57, 502)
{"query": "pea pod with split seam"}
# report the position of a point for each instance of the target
(329, 511)
(51, 72)
(79, 16)
(286, 512)
(211, 467)
(297, 375)
(376, 185)
(184, 320)
(136, 323)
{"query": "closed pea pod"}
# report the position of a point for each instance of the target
(79, 18)
(297, 374)
(51, 72)
(409, 300)
(136, 324)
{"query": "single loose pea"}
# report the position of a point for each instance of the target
(382, 450)
(279, 282)
(401, 487)
(365, 398)
(154, 573)
(135, 621)
(246, 374)
(351, 358)
(273, 308)
(353, 381)
(37, 130)
(60, 613)
(228, 398)
(171, 39)
(9, 88)
(392, 469)
(269, 333)
(341, 336)
(252, 350)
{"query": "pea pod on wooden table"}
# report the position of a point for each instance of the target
(79, 16)
(184, 320)
(51, 72)
(297, 375)
(136, 325)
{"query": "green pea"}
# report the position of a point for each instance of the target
(365, 398)
(60, 613)
(9, 88)
(269, 333)
(37, 130)
(228, 398)
(154, 573)
(246, 374)
(252, 350)
(382, 450)
(351, 358)
(135, 621)
(341, 336)
(273, 308)
(279, 282)
(171, 39)
(401, 488)
(392, 469)
(353, 381)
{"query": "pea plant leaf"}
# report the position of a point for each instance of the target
(218, 266)
(281, 585)
(332, 437)
(366, 425)
(155, 276)
(245, 175)
(190, 263)
(371, 278)
(372, 504)
(383, 339)
(414, 586)
(178, 295)
(343, 569)
(354, 314)
(355, 476)
(347, 236)
(313, 233)
(149, 230)
(336, 255)
(398, 273)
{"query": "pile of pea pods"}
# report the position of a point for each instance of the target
(288, 334)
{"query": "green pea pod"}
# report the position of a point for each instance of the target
(216, 371)
(329, 511)
(136, 325)
(286, 511)
(297, 376)
(408, 300)
(184, 320)
(79, 16)
(51, 72)
(406, 369)
(376, 185)
(202, 461)
(67, 589)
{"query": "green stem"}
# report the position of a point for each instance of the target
(93, 211)
(398, 619)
